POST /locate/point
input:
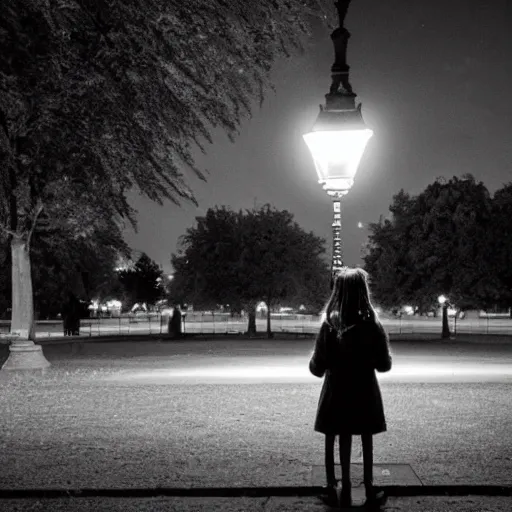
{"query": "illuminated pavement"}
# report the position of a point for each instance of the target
(271, 362)
(239, 413)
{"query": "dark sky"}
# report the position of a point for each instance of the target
(435, 80)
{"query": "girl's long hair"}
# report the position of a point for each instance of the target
(349, 302)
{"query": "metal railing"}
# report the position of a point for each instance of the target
(218, 323)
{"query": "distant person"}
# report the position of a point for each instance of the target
(349, 347)
(175, 330)
(70, 312)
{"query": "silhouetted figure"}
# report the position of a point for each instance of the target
(71, 315)
(349, 347)
(175, 331)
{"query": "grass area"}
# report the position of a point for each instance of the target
(76, 425)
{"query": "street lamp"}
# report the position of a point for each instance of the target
(446, 327)
(339, 136)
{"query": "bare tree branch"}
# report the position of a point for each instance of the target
(37, 211)
(8, 231)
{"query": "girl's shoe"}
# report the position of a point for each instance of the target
(346, 495)
(375, 499)
(331, 499)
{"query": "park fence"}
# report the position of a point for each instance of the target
(221, 323)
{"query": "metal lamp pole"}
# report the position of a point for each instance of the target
(446, 327)
(340, 94)
(445, 332)
(339, 136)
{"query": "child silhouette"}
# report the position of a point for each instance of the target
(349, 347)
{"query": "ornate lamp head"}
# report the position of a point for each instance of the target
(339, 136)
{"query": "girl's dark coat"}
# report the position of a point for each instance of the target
(350, 401)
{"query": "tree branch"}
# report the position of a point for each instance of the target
(13, 203)
(8, 231)
(38, 209)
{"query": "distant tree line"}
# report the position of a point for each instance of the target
(238, 259)
(452, 239)
(143, 283)
(232, 260)
(65, 271)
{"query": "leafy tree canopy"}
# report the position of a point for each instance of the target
(438, 242)
(241, 258)
(142, 283)
(500, 244)
(107, 95)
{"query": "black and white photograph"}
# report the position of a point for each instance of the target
(255, 256)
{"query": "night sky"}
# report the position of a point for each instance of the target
(435, 81)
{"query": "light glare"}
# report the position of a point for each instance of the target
(337, 154)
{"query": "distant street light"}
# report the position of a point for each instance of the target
(339, 136)
(446, 327)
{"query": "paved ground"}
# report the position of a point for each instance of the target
(284, 361)
(268, 504)
(240, 413)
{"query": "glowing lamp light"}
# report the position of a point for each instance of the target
(336, 155)
(339, 136)
(441, 299)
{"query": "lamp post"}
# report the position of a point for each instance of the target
(446, 327)
(339, 136)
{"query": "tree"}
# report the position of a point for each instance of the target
(68, 261)
(242, 258)
(84, 266)
(280, 261)
(500, 254)
(5, 275)
(141, 283)
(387, 256)
(98, 97)
(435, 243)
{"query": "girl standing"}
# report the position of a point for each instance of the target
(349, 347)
